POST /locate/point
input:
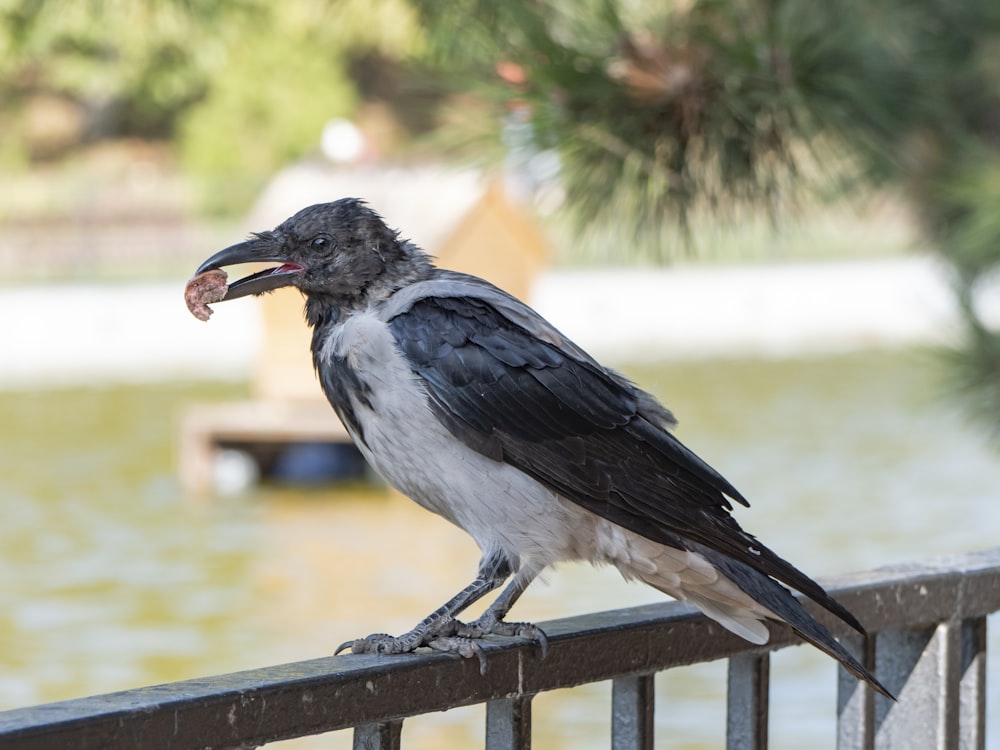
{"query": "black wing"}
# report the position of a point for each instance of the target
(544, 406)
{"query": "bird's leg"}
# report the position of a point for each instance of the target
(491, 622)
(494, 569)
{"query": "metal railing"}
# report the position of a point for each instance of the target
(928, 646)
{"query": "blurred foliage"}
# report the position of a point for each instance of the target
(661, 111)
(130, 67)
(657, 110)
(277, 89)
(241, 86)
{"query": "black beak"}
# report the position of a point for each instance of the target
(261, 249)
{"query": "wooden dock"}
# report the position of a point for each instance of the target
(206, 429)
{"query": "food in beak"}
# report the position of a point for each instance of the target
(204, 289)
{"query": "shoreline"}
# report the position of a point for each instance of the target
(74, 334)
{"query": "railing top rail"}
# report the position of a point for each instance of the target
(261, 705)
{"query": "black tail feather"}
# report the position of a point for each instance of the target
(779, 600)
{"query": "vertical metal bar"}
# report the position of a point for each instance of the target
(947, 643)
(508, 724)
(632, 711)
(899, 653)
(747, 703)
(856, 699)
(972, 686)
(384, 735)
(922, 668)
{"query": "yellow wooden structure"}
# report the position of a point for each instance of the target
(493, 238)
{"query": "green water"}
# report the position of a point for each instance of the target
(110, 578)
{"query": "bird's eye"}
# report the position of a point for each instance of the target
(320, 242)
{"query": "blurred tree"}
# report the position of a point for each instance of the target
(241, 86)
(661, 110)
(123, 68)
(285, 70)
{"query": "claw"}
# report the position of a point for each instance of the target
(543, 641)
(526, 630)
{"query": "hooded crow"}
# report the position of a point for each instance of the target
(469, 402)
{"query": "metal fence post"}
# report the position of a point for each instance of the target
(632, 712)
(385, 735)
(747, 709)
(508, 724)
(856, 699)
(972, 686)
(922, 668)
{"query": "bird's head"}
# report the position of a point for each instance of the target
(339, 253)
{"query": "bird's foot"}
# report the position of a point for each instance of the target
(440, 636)
(490, 624)
(427, 633)
(450, 636)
